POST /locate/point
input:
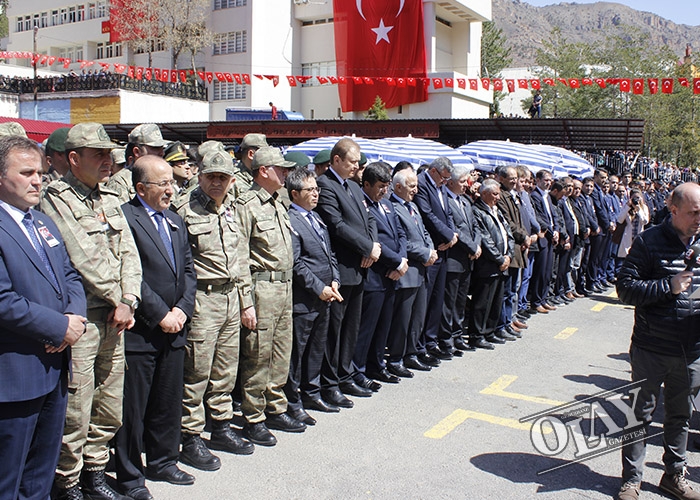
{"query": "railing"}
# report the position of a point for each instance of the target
(102, 81)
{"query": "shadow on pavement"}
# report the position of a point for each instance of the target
(604, 382)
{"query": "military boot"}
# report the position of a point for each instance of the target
(196, 454)
(223, 438)
(95, 487)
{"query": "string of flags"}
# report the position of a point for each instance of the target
(637, 86)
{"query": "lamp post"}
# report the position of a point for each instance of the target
(36, 83)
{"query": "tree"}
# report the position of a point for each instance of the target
(495, 57)
(377, 111)
(4, 24)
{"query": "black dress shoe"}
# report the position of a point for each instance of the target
(399, 370)
(283, 422)
(259, 434)
(196, 454)
(336, 398)
(455, 352)
(494, 339)
(481, 344)
(414, 363)
(428, 359)
(502, 334)
(223, 438)
(301, 416)
(139, 493)
(439, 353)
(524, 313)
(511, 331)
(461, 345)
(172, 475)
(320, 405)
(352, 389)
(72, 493)
(368, 383)
(384, 376)
(555, 301)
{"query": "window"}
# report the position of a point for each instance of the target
(64, 16)
(101, 8)
(106, 50)
(81, 13)
(155, 46)
(326, 68)
(20, 24)
(227, 4)
(35, 20)
(54, 18)
(71, 15)
(230, 43)
(44, 19)
(224, 91)
(78, 52)
(27, 23)
(91, 11)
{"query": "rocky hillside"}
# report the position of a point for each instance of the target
(525, 26)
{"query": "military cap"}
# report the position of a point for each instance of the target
(118, 156)
(217, 162)
(12, 128)
(147, 134)
(57, 140)
(299, 158)
(322, 156)
(175, 152)
(363, 159)
(88, 135)
(209, 147)
(270, 157)
(253, 141)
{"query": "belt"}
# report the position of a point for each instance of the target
(223, 288)
(282, 276)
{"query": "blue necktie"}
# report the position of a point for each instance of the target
(316, 226)
(29, 224)
(163, 232)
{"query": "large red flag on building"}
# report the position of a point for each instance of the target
(379, 39)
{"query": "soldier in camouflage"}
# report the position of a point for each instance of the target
(244, 171)
(102, 249)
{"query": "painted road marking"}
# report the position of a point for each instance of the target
(499, 386)
(602, 305)
(565, 333)
(449, 423)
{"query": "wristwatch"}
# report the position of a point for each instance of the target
(133, 304)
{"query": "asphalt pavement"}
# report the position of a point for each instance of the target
(462, 430)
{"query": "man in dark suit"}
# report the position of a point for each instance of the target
(431, 200)
(155, 344)
(353, 233)
(410, 304)
(460, 262)
(315, 287)
(380, 284)
(42, 313)
(599, 241)
(544, 260)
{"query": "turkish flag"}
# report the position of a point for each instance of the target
(497, 84)
(342, 80)
(391, 81)
(522, 83)
(333, 79)
(511, 85)
(183, 76)
(449, 82)
(139, 73)
(638, 86)
(401, 83)
(378, 39)
(156, 72)
(574, 83)
(246, 78)
(66, 63)
(130, 72)
(696, 85)
(52, 59)
(274, 78)
(292, 81)
(473, 84)
(586, 81)
(653, 85)
(220, 77)
(684, 82)
(437, 83)
(461, 83)
(625, 84)
(210, 76)
(148, 73)
(667, 85)
(563, 81)
(486, 83)
(228, 77)
(549, 81)
(322, 79)
(535, 84)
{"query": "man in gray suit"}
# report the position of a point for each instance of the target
(411, 295)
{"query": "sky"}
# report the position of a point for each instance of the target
(678, 11)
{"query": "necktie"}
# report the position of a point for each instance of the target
(410, 211)
(29, 224)
(316, 226)
(163, 233)
(347, 189)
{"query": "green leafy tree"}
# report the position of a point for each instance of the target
(495, 57)
(4, 25)
(377, 111)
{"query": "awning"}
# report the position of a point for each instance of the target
(37, 130)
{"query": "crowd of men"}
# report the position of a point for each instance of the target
(264, 284)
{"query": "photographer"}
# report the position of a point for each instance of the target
(634, 215)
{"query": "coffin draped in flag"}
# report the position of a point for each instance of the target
(379, 39)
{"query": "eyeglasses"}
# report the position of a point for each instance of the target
(161, 184)
(449, 176)
(312, 189)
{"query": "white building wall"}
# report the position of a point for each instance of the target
(137, 107)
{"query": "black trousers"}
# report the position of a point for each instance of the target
(343, 329)
(435, 283)
(152, 414)
(400, 342)
(487, 299)
(452, 324)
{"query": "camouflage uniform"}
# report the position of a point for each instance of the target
(266, 244)
(102, 249)
(122, 184)
(244, 179)
(211, 358)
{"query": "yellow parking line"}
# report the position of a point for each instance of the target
(613, 293)
(449, 423)
(499, 386)
(601, 305)
(565, 333)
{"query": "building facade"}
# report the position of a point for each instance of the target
(267, 37)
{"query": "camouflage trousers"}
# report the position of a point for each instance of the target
(95, 398)
(266, 351)
(211, 359)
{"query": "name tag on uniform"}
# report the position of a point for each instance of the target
(48, 237)
(228, 215)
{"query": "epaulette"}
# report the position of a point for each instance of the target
(57, 186)
(246, 197)
(108, 190)
(181, 201)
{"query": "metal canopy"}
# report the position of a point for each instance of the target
(577, 134)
